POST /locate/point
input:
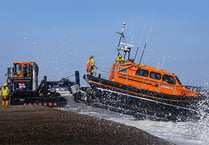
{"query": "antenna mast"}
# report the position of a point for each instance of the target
(122, 37)
(145, 43)
(139, 43)
(123, 45)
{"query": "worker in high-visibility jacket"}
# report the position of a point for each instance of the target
(90, 65)
(120, 59)
(5, 95)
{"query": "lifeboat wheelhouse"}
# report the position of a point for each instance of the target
(148, 78)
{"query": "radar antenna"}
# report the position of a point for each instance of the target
(122, 44)
(122, 38)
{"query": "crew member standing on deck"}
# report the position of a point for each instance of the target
(5, 95)
(120, 59)
(90, 65)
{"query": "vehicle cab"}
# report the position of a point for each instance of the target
(23, 76)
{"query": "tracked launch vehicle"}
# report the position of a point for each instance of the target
(22, 80)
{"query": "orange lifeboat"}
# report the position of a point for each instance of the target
(145, 90)
(149, 78)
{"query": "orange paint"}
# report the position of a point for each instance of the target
(19, 66)
(148, 78)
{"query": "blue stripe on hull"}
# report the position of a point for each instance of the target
(176, 103)
(148, 107)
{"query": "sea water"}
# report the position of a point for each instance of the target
(180, 133)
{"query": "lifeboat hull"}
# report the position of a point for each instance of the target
(143, 103)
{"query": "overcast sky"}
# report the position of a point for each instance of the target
(60, 35)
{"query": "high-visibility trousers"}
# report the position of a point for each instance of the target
(5, 101)
(5, 98)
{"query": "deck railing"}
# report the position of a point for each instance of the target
(104, 72)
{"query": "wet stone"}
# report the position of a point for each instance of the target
(44, 125)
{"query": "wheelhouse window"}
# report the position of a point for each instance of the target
(155, 75)
(123, 70)
(26, 70)
(169, 79)
(17, 69)
(142, 72)
(178, 80)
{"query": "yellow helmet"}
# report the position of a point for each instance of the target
(5, 84)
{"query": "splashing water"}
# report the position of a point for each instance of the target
(180, 133)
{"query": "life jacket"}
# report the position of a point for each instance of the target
(5, 91)
(119, 59)
(90, 63)
(88, 67)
